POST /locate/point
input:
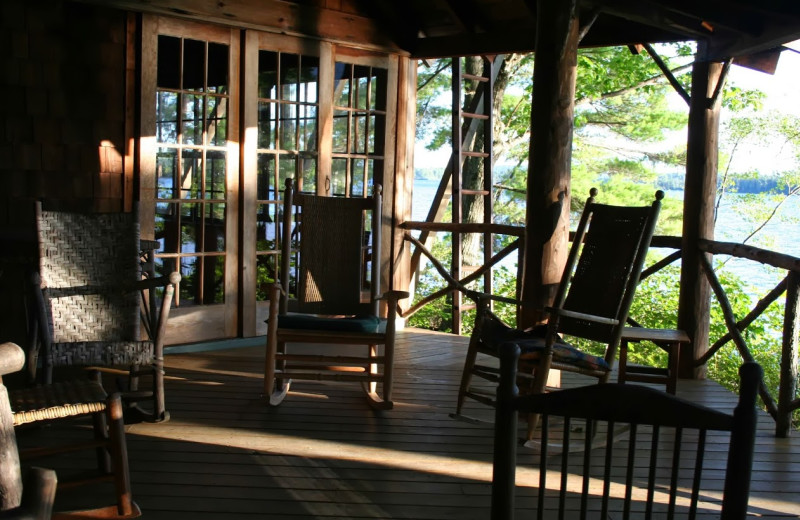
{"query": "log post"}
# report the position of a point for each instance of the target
(12, 358)
(547, 210)
(698, 209)
(788, 381)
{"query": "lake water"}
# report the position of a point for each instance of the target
(782, 234)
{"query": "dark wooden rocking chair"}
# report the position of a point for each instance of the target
(592, 302)
(324, 260)
(631, 451)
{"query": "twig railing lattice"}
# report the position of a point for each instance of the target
(452, 284)
(787, 400)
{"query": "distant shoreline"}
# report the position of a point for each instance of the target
(675, 182)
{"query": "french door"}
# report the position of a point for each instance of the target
(212, 175)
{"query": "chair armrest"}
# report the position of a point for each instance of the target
(161, 281)
(392, 297)
(581, 316)
(12, 359)
(482, 299)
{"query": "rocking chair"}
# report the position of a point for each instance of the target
(93, 303)
(333, 268)
(625, 451)
(30, 498)
(592, 302)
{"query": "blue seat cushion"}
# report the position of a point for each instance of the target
(532, 343)
(359, 323)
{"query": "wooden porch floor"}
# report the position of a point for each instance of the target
(324, 454)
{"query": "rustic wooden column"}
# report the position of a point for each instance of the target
(12, 358)
(698, 209)
(788, 381)
(547, 210)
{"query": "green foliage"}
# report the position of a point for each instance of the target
(737, 99)
(621, 113)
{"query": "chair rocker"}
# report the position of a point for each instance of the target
(654, 469)
(332, 269)
(93, 303)
(592, 302)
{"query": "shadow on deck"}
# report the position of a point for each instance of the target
(324, 454)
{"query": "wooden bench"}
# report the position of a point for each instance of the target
(669, 340)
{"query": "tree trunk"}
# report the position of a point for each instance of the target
(473, 172)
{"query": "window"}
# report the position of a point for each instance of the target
(288, 107)
(359, 121)
(191, 161)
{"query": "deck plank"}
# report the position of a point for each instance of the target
(324, 454)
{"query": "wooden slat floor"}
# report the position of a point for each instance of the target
(324, 454)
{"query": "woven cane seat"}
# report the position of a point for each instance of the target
(532, 344)
(103, 353)
(57, 401)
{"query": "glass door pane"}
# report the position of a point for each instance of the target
(359, 127)
(192, 96)
(288, 107)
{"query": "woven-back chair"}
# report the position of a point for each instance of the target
(33, 497)
(95, 306)
(592, 302)
(623, 451)
(330, 280)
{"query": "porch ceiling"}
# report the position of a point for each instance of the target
(435, 28)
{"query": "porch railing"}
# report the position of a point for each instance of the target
(779, 408)
(787, 401)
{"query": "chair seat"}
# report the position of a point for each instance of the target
(562, 353)
(365, 323)
(103, 353)
(57, 400)
(532, 343)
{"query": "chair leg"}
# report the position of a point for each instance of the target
(275, 389)
(374, 400)
(538, 387)
(133, 378)
(372, 369)
(159, 406)
(101, 434)
(119, 453)
(673, 361)
(388, 372)
(466, 374)
(622, 362)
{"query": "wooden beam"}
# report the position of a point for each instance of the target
(547, 208)
(667, 73)
(721, 14)
(397, 22)
(273, 16)
(789, 352)
(468, 16)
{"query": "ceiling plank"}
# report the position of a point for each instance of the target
(468, 16)
(271, 15)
